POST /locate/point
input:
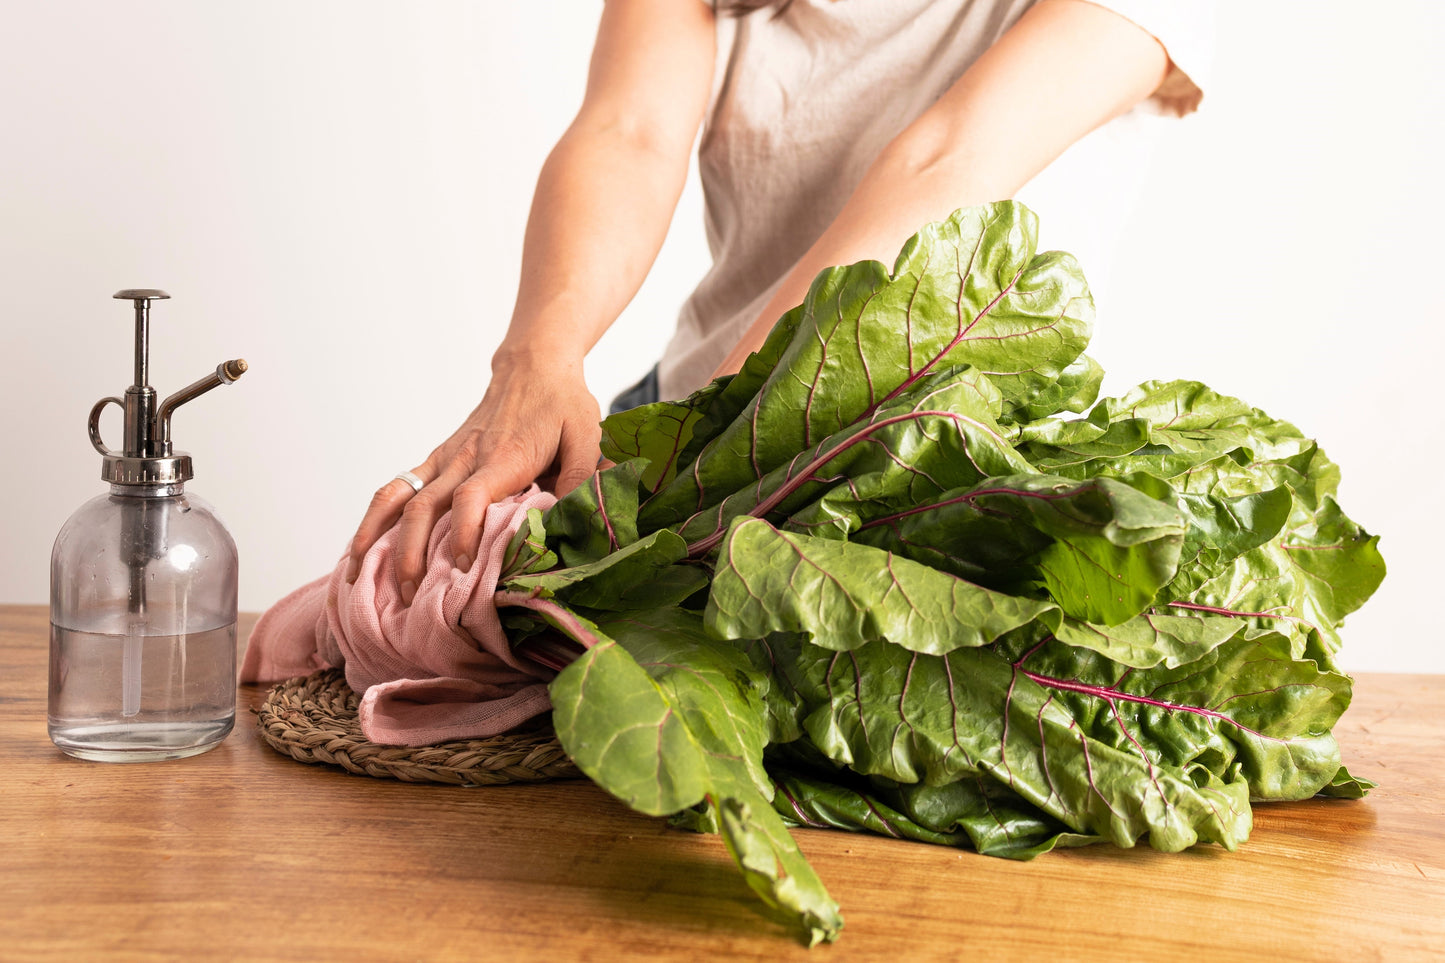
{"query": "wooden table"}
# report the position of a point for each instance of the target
(244, 854)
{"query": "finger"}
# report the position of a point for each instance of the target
(506, 472)
(577, 457)
(418, 516)
(385, 508)
(547, 481)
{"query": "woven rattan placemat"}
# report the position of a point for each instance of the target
(313, 719)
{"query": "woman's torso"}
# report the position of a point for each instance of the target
(802, 103)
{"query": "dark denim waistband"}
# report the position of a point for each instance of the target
(642, 393)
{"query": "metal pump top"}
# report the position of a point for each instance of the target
(147, 459)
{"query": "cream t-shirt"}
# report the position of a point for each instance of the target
(802, 103)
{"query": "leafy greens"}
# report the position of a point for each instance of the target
(878, 580)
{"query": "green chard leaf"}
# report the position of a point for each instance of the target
(1245, 709)
(743, 387)
(938, 435)
(1187, 416)
(1346, 786)
(640, 576)
(597, 517)
(1171, 639)
(1167, 429)
(1075, 390)
(664, 719)
(1101, 548)
(527, 553)
(1266, 542)
(913, 718)
(1080, 448)
(619, 729)
(1305, 580)
(975, 813)
(968, 290)
(1222, 528)
(1173, 754)
(845, 595)
(805, 799)
(658, 433)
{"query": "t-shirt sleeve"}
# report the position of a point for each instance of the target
(1185, 28)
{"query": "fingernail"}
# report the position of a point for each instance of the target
(353, 569)
(464, 561)
(408, 591)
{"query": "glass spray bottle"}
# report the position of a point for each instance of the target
(143, 591)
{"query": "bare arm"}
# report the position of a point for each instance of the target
(1066, 67)
(599, 216)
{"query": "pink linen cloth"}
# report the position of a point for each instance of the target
(438, 669)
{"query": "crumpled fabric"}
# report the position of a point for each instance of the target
(433, 671)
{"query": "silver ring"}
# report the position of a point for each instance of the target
(415, 482)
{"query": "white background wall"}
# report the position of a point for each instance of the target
(336, 191)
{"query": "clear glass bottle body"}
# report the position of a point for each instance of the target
(142, 627)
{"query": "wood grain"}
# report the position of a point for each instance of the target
(243, 854)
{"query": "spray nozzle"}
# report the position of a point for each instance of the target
(146, 457)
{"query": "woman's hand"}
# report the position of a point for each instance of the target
(537, 421)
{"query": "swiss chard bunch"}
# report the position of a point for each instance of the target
(903, 573)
